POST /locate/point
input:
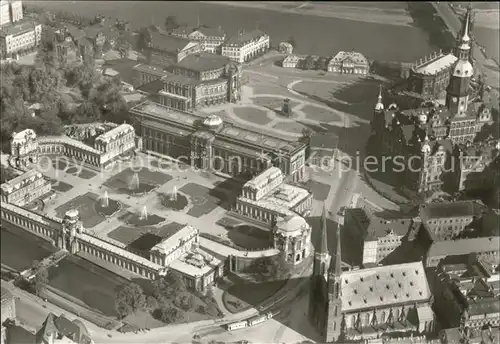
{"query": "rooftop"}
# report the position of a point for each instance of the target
(225, 136)
(203, 62)
(170, 243)
(21, 180)
(152, 87)
(452, 209)
(437, 64)
(383, 286)
(160, 71)
(245, 38)
(226, 251)
(22, 136)
(68, 141)
(167, 43)
(379, 228)
(211, 31)
(181, 79)
(195, 263)
(17, 28)
(463, 246)
(282, 200)
(291, 224)
(262, 178)
(6, 295)
(353, 56)
(114, 133)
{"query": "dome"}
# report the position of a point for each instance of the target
(463, 69)
(73, 213)
(291, 225)
(212, 121)
(379, 107)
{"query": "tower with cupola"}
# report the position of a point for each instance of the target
(457, 94)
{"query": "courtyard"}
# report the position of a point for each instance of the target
(128, 235)
(132, 180)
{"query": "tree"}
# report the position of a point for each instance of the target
(175, 281)
(171, 23)
(41, 278)
(151, 303)
(167, 314)
(308, 63)
(144, 39)
(123, 46)
(321, 63)
(292, 42)
(278, 266)
(130, 299)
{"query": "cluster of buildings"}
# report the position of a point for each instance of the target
(344, 62)
(16, 34)
(435, 143)
(432, 271)
(54, 330)
(195, 67)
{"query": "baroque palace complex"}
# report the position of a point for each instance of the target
(442, 147)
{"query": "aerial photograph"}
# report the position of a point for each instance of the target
(249, 172)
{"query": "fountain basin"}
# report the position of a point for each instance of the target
(178, 203)
(107, 211)
(137, 220)
(142, 189)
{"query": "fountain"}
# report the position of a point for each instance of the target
(144, 213)
(173, 195)
(134, 183)
(105, 200)
(106, 206)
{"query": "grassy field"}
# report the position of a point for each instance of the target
(120, 182)
(252, 115)
(85, 205)
(127, 235)
(242, 296)
(203, 200)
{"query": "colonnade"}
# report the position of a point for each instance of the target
(89, 155)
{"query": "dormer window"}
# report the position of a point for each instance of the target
(395, 296)
(381, 298)
(392, 275)
(355, 291)
(407, 294)
(378, 277)
(361, 279)
(420, 293)
(416, 272)
(371, 288)
(346, 281)
(365, 301)
(387, 287)
(400, 285)
(411, 284)
(404, 273)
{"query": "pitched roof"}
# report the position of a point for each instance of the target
(183, 30)
(245, 38)
(6, 295)
(152, 87)
(463, 246)
(167, 43)
(203, 61)
(324, 140)
(378, 227)
(211, 31)
(382, 286)
(451, 209)
(47, 330)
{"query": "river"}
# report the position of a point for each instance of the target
(313, 35)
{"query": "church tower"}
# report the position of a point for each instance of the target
(335, 322)
(378, 121)
(457, 94)
(318, 293)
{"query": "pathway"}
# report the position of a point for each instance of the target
(248, 98)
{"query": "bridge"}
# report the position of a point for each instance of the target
(45, 264)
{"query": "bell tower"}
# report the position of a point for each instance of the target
(457, 93)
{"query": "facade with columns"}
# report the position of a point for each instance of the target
(267, 197)
(209, 143)
(292, 235)
(69, 234)
(26, 146)
(25, 188)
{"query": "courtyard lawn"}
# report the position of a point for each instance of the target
(319, 114)
(81, 172)
(290, 127)
(252, 115)
(127, 235)
(203, 202)
(120, 182)
(89, 283)
(249, 237)
(85, 204)
(60, 186)
(242, 296)
(320, 190)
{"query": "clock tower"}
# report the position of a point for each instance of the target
(457, 94)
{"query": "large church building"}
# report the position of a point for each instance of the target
(363, 304)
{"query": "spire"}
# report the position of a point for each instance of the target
(465, 32)
(380, 105)
(336, 260)
(323, 245)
